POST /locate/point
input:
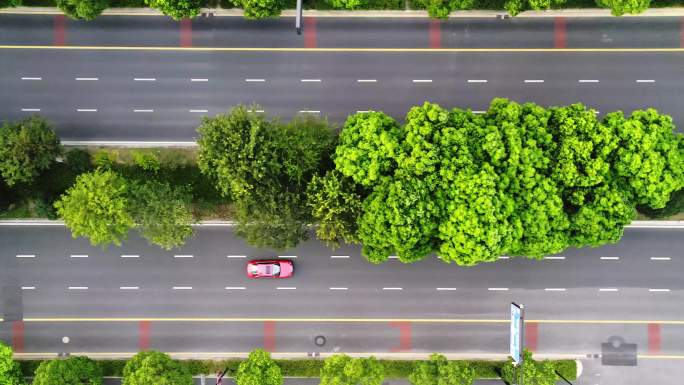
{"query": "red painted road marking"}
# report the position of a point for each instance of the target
(404, 335)
(60, 29)
(654, 338)
(186, 33)
(559, 32)
(531, 336)
(310, 32)
(269, 336)
(144, 335)
(18, 336)
(435, 33)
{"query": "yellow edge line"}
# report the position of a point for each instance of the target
(370, 50)
(346, 320)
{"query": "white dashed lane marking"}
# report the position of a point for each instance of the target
(26, 256)
(130, 256)
(608, 289)
(235, 288)
(78, 287)
(182, 288)
(660, 258)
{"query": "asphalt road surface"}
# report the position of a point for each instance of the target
(136, 94)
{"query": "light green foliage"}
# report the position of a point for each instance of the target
(261, 9)
(602, 212)
(534, 372)
(650, 155)
(27, 147)
(10, 371)
(152, 367)
(440, 9)
(341, 369)
(266, 167)
(9, 3)
(620, 7)
(82, 9)
(348, 4)
(71, 371)
(162, 213)
(367, 147)
(148, 161)
(516, 6)
(258, 369)
(335, 205)
(96, 207)
(440, 371)
(177, 9)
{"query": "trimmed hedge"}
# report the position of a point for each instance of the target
(312, 367)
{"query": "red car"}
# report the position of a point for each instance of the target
(270, 268)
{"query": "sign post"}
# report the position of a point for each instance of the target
(298, 18)
(516, 347)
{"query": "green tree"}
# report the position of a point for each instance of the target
(258, 369)
(348, 4)
(96, 207)
(82, 9)
(153, 367)
(620, 7)
(71, 371)
(261, 9)
(27, 147)
(340, 369)
(516, 6)
(9, 3)
(336, 206)
(534, 372)
(177, 9)
(162, 213)
(440, 371)
(10, 371)
(367, 147)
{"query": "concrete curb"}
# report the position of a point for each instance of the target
(236, 12)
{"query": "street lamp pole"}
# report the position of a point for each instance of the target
(298, 18)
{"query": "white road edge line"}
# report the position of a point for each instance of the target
(31, 78)
(183, 256)
(78, 256)
(78, 287)
(479, 112)
(338, 288)
(534, 81)
(554, 289)
(498, 289)
(182, 288)
(30, 109)
(145, 79)
(610, 258)
(645, 81)
(88, 79)
(554, 257)
(588, 81)
(362, 111)
(422, 80)
(477, 80)
(130, 256)
(392, 288)
(236, 256)
(28, 288)
(129, 287)
(339, 256)
(504, 257)
(658, 290)
(26, 256)
(608, 289)
(366, 80)
(446, 289)
(235, 288)
(286, 288)
(660, 258)
(86, 109)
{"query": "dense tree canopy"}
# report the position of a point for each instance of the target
(440, 9)
(27, 147)
(177, 9)
(152, 367)
(620, 7)
(261, 9)
(10, 371)
(258, 369)
(9, 3)
(514, 7)
(340, 369)
(518, 180)
(439, 371)
(71, 371)
(534, 372)
(348, 4)
(82, 9)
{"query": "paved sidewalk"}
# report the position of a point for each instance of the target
(236, 12)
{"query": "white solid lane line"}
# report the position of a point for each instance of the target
(366, 80)
(78, 256)
(235, 288)
(392, 288)
(339, 256)
(145, 79)
(554, 289)
(498, 289)
(139, 110)
(255, 80)
(78, 287)
(446, 289)
(534, 81)
(129, 287)
(610, 258)
(645, 81)
(30, 109)
(28, 288)
(310, 80)
(182, 288)
(236, 256)
(660, 258)
(422, 80)
(554, 257)
(88, 79)
(183, 256)
(338, 288)
(658, 290)
(608, 289)
(286, 288)
(26, 256)
(86, 109)
(199, 80)
(199, 110)
(477, 80)
(130, 256)
(31, 78)
(588, 81)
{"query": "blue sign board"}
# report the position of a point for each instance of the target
(516, 332)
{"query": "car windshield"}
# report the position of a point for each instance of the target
(269, 269)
